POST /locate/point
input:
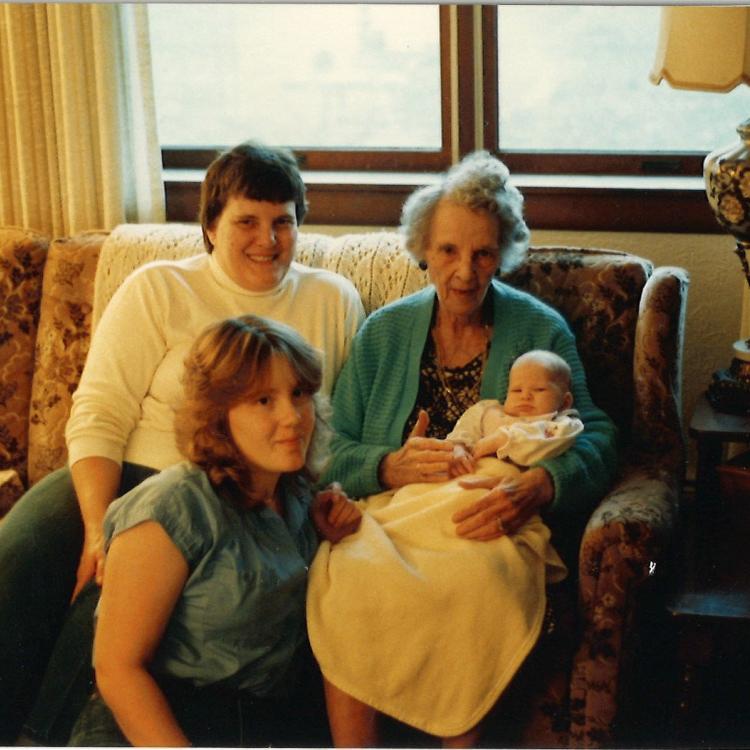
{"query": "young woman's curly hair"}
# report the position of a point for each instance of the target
(223, 364)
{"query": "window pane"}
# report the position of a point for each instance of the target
(576, 78)
(308, 76)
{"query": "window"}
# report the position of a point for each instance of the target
(347, 86)
(376, 98)
(575, 79)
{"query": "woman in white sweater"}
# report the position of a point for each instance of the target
(120, 429)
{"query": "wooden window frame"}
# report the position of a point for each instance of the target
(633, 192)
(563, 191)
(423, 160)
(649, 164)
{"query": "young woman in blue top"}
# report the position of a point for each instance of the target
(206, 571)
(417, 364)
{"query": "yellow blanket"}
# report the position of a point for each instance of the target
(420, 624)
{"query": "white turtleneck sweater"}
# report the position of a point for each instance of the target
(131, 384)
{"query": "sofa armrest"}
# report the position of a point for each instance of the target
(657, 435)
(23, 253)
(11, 488)
(622, 548)
(645, 495)
(62, 343)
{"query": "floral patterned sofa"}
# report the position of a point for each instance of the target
(629, 320)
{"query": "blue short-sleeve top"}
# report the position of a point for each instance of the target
(241, 615)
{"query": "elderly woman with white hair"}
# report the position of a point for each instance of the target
(417, 364)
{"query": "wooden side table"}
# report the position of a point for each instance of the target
(711, 430)
(711, 606)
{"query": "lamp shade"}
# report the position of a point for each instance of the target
(703, 48)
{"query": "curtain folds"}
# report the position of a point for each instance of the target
(78, 140)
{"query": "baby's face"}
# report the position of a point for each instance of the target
(531, 391)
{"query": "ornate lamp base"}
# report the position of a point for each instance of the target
(727, 176)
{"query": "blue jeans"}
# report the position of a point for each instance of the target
(220, 716)
(40, 545)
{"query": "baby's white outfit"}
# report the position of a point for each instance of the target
(529, 439)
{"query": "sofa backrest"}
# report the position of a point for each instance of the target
(597, 291)
(375, 262)
(62, 343)
(22, 256)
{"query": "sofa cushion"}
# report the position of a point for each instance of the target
(376, 262)
(129, 246)
(62, 345)
(22, 256)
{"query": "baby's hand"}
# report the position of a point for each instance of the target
(462, 461)
(492, 443)
(334, 515)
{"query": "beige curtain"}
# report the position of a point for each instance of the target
(78, 142)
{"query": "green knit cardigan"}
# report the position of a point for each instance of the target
(377, 388)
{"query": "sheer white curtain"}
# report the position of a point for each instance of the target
(78, 142)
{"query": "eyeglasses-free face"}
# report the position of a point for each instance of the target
(272, 427)
(462, 255)
(254, 241)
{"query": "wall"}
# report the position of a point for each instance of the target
(714, 298)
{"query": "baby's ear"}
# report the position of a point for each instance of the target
(567, 401)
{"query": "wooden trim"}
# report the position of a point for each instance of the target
(176, 157)
(490, 89)
(367, 205)
(685, 164)
(371, 160)
(446, 74)
(620, 210)
(322, 159)
(466, 82)
(182, 200)
(561, 208)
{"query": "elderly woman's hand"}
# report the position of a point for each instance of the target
(420, 459)
(506, 507)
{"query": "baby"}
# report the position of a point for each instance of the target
(534, 423)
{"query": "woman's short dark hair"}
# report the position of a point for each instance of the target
(250, 170)
(480, 182)
(223, 365)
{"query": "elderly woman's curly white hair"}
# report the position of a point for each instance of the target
(479, 182)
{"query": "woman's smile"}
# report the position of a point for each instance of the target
(254, 241)
(264, 262)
